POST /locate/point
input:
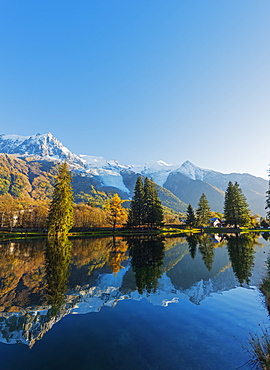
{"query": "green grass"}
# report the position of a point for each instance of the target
(8, 235)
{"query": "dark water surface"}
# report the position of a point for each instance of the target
(173, 303)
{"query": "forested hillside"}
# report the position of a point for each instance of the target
(26, 186)
(26, 177)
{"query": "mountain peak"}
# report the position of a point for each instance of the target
(43, 145)
(191, 171)
(187, 162)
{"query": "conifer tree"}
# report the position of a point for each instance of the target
(148, 201)
(236, 210)
(60, 219)
(157, 208)
(191, 218)
(153, 212)
(135, 216)
(268, 201)
(145, 208)
(203, 211)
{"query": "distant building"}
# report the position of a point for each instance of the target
(216, 222)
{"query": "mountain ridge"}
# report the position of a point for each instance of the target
(186, 181)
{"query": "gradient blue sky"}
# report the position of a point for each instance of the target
(141, 80)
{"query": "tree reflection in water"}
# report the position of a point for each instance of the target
(206, 248)
(147, 255)
(118, 253)
(57, 262)
(241, 252)
(265, 235)
(192, 245)
(206, 244)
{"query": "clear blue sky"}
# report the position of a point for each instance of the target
(141, 80)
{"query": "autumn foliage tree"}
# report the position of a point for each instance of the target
(88, 216)
(115, 211)
(22, 212)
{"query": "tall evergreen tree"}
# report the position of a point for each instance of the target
(153, 212)
(236, 210)
(145, 208)
(148, 201)
(191, 218)
(203, 211)
(60, 219)
(268, 201)
(135, 216)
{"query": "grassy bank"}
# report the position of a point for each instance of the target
(100, 232)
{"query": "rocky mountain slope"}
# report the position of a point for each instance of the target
(43, 145)
(183, 183)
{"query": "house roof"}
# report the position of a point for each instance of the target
(215, 219)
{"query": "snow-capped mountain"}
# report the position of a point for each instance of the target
(158, 171)
(189, 181)
(43, 145)
(182, 277)
(30, 325)
(108, 172)
(191, 171)
(185, 181)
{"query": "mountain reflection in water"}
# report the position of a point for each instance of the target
(43, 281)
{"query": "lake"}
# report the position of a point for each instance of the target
(131, 303)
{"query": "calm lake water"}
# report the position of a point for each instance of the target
(171, 303)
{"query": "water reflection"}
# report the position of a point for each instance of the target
(41, 283)
(147, 256)
(242, 253)
(266, 235)
(118, 253)
(57, 262)
(22, 274)
(206, 248)
(192, 245)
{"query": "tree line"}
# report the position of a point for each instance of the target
(145, 208)
(59, 214)
(99, 209)
(95, 210)
(236, 209)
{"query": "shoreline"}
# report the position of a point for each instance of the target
(14, 234)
